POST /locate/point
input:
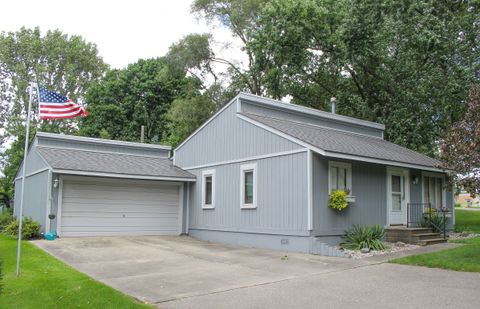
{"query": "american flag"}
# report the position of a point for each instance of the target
(56, 106)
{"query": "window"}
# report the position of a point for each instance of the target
(339, 176)
(208, 189)
(248, 183)
(433, 191)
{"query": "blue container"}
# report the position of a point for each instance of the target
(50, 236)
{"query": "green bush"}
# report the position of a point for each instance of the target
(436, 223)
(30, 228)
(364, 236)
(338, 200)
(5, 219)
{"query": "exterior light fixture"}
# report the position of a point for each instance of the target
(55, 183)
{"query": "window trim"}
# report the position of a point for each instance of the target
(206, 174)
(444, 189)
(348, 167)
(243, 169)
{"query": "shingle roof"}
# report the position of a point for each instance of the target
(342, 142)
(113, 163)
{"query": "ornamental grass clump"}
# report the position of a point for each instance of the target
(338, 200)
(364, 236)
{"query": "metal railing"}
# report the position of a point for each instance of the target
(424, 215)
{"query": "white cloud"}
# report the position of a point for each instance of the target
(124, 31)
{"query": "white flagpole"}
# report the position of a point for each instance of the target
(20, 214)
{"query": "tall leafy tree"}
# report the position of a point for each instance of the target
(408, 64)
(139, 95)
(460, 148)
(240, 16)
(63, 63)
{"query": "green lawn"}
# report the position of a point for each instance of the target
(45, 282)
(467, 220)
(464, 258)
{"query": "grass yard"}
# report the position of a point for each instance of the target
(45, 282)
(467, 220)
(464, 258)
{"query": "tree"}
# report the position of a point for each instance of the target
(406, 64)
(63, 63)
(460, 148)
(139, 95)
(186, 115)
(240, 16)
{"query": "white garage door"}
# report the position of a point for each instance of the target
(97, 207)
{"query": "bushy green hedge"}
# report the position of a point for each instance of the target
(364, 236)
(30, 228)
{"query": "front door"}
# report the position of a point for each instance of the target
(397, 186)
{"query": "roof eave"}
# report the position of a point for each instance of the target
(380, 161)
(126, 176)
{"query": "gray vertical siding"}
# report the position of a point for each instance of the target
(227, 137)
(282, 198)
(255, 108)
(416, 189)
(369, 188)
(34, 161)
(35, 200)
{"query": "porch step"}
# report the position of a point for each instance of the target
(431, 241)
(425, 236)
(417, 235)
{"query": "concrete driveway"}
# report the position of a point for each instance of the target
(181, 272)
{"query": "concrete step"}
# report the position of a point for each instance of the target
(433, 241)
(425, 236)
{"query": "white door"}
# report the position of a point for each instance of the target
(397, 195)
(106, 207)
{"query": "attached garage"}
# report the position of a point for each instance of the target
(93, 207)
(78, 186)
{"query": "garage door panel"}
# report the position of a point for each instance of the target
(78, 188)
(87, 220)
(116, 207)
(127, 205)
(115, 214)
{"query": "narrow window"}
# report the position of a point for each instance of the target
(433, 191)
(248, 186)
(208, 189)
(340, 176)
(248, 198)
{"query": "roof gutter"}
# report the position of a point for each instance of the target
(126, 176)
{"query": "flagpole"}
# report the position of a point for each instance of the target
(20, 215)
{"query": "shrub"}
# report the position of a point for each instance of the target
(436, 223)
(338, 200)
(30, 228)
(364, 236)
(5, 219)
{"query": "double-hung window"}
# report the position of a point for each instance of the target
(248, 186)
(339, 176)
(208, 189)
(433, 191)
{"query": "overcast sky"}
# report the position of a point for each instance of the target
(124, 31)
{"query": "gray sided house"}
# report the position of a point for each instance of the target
(258, 173)
(265, 168)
